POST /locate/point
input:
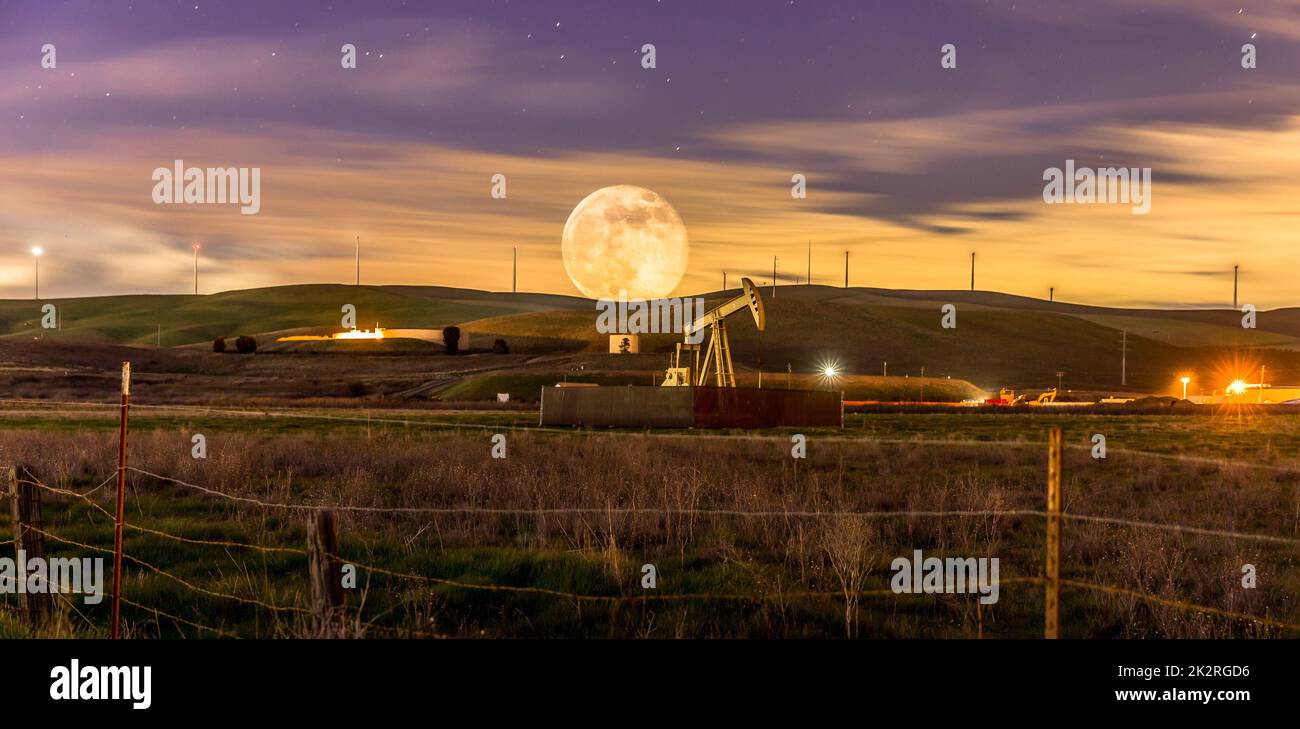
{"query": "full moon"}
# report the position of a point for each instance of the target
(625, 238)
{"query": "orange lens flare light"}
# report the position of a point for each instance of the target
(378, 333)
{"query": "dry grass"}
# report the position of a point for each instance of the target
(769, 557)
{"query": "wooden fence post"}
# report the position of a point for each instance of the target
(29, 543)
(1052, 604)
(326, 573)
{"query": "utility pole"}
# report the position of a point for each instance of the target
(358, 260)
(1123, 363)
(724, 280)
(514, 271)
(846, 269)
(1234, 286)
(196, 269)
(774, 277)
(1051, 294)
(972, 270)
(809, 281)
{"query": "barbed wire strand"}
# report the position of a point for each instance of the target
(648, 511)
(1205, 460)
(168, 535)
(1110, 589)
(177, 618)
(176, 578)
(1147, 597)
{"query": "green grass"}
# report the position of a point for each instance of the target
(998, 341)
(847, 468)
(187, 320)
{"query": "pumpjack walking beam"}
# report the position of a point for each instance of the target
(718, 355)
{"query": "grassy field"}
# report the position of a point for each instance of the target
(623, 500)
(185, 320)
(999, 340)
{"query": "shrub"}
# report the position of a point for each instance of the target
(219, 345)
(500, 347)
(245, 345)
(451, 339)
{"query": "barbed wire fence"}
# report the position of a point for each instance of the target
(325, 562)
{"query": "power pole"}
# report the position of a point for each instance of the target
(1051, 294)
(809, 281)
(972, 270)
(1234, 286)
(724, 280)
(774, 277)
(196, 269)
(846, 269)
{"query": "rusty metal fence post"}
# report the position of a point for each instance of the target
(121, 500)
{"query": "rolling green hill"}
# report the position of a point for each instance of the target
(184, 320)
(1000, 340)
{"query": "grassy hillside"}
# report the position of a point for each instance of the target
(990, 347)
(1000, 340)
(185, 320)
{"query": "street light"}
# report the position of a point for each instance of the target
(1185, 380)
(829, 371)
(196, 268)
(37, 252)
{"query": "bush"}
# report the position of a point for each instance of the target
(245, 345)
(219, 345)
(499, 347)
(451, 339)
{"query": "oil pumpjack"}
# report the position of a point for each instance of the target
(717, 358)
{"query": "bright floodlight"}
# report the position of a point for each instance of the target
(829, 371)
(1185, 380)
(37, 251)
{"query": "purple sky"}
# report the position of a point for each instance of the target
(909, 165)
